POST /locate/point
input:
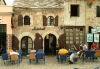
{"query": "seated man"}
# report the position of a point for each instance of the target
(84, 46)
(76, 55)
(62, 51)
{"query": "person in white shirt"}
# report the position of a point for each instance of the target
(84, 46)
(14, 52)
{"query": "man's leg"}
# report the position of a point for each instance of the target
(71, 58)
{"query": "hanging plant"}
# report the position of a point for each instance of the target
(90, 2)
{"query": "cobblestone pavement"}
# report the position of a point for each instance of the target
(51, 63)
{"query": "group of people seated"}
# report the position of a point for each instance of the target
(73, 52)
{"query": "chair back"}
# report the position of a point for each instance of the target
(14, 57)
(40, 55)
(98, 53)
(20, 52)
(89, 53)
(63, 57)
(4, 56)
(32, 56)
(40, 50)
(33, 51)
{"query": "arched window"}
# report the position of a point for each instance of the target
(26, 20)
(50, 21)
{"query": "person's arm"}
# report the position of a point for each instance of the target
(75, 47)
(96, 47)
(91, 47)
(86, 47)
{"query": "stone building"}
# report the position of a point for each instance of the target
(44, 23)
(5, 24)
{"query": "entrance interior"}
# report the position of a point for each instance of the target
(26, 45)
(3, 34)
(3, 39)
(50, 44)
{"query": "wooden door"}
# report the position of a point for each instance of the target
(15, 42)
(75, 35)
(38, 42)
(62, 40)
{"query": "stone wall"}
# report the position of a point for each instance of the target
(36, 20)
(9, 41)
(91, 18)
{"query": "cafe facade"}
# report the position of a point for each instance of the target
(41, 23)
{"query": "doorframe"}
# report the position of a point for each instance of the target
(25, 34)
(50, 32)
(50, 50)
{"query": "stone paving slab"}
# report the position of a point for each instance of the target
(51, 63)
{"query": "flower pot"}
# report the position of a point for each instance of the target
(90, 1)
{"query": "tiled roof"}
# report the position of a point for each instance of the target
(38, 3)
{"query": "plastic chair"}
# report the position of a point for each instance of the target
(89, 54)
(9, 50)
(4, 57)
(40, 55)
(33, 51)
(97, 53)
(40, 50)
(32, 57)
(20, 54)
(14, 58)
(62, 57)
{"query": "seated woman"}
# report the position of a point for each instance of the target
(76, 55)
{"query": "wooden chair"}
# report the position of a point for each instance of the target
(14, 58)
(33, 51)
(32, 57)
(97, 53)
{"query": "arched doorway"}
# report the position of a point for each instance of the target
(26, 45)
(50, 44)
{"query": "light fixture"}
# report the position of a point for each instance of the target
(47, 36)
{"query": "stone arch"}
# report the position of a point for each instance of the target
(50, 32)
(25, 34)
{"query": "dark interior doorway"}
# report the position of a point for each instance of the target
(50, 44)
(3, 39)
(3, 34)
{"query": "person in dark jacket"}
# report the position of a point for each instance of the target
(2, 49)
